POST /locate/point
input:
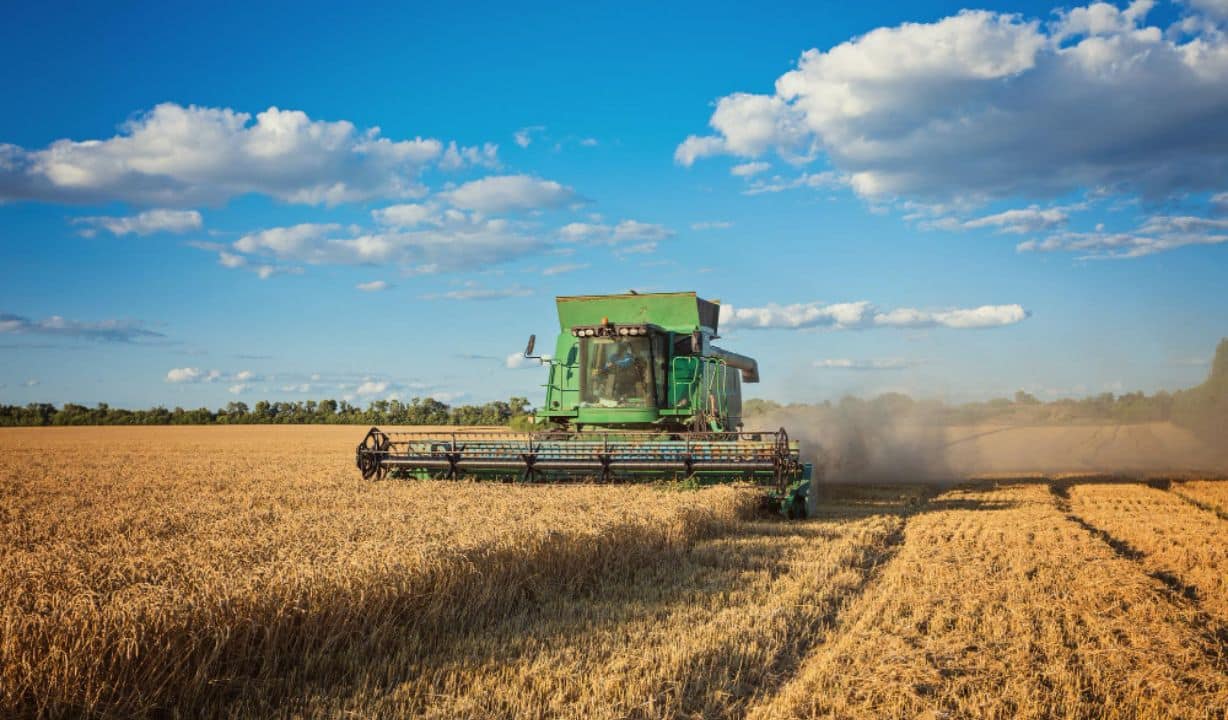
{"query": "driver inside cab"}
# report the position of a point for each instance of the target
(623, 372)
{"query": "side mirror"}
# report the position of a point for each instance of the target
(528, 350)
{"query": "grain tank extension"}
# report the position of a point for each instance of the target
(635, 392)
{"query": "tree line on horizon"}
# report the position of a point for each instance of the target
(1203, 408)
(418, 411)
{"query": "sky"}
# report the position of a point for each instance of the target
(300, 201)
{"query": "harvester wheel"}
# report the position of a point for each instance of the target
(368, 465)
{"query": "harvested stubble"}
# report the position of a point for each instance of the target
(1170, 537)
(175, 569)
(1209, 494)
(997, 606)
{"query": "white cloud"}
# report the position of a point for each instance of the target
(455, 158)
(145, 223)
(988, 105)
(961, 318)
(712, 225)
(1020, 221)
(694, 148)
(32, 382)
(504, 193)
(564, 268)
(1157, 234)
(748, 169)
(472, 291)
(524, 136)
(245, 375)
(373, 286)
(238, 388)
(408, 215)
(105, 330)
(231, 260)
(864, 315)
(459, 241)
(588, 142)
(748, 125)
(372, 387)
(624, 231)
(1217, 9)
(1220, 200)
(191, 375)
(264, 272)
(825, 179)
(876, 364)
(176, 155)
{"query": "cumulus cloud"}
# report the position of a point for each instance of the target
(459, 241)
(748, 169)
(192, 375)
(503, 193)
(990, 105)
(230, 260)
(176, 155)
(864, 315)
(407, 215)
(238, 388)
(372, 387)
(455, 158)
(145, 223)
(876, 364)
(104, 331)
(1156, 234)
(373, 286)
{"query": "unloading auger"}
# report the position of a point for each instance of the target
(636, 392)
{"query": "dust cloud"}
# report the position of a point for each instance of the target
(857, 441)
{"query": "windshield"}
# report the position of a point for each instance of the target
(617, 372)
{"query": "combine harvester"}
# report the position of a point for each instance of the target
(636, 392)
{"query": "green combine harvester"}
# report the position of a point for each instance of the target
(636, 392)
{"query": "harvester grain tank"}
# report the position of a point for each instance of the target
(635, 392)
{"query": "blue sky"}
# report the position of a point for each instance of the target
(301, 201)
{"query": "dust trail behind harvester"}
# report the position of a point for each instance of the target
(865, 442)
(871, 442)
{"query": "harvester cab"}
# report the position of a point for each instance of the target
(635, 392)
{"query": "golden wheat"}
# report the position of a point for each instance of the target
(145, 569)
(248, 572)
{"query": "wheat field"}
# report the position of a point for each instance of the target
(249, 572)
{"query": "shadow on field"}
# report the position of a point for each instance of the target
(708, 576)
